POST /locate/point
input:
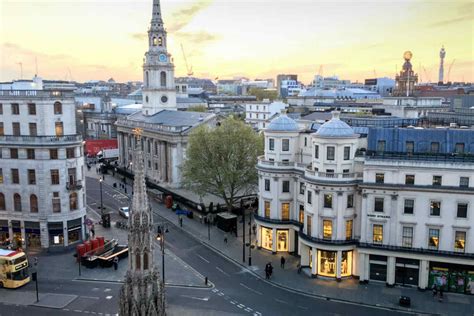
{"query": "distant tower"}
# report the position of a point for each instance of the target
(406, 80)
(142, 293)
(442, 54)
(159, 91)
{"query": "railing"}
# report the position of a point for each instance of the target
(278, 221)
(150, 126)
(449, 157)
(35, 93)
(333, 175)
(40, 139)
(281, 164)
(75, 185)
(418, 250)
(327, 241)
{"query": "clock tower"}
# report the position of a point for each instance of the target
(159, 92)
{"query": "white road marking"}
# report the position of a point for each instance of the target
(197, 298)
(91, 297)
(219, 269)
(257, 314)
(109, 297)
(250, 289)
(203, 258)
(107, 290)
(233, 302)
(281, 301)
(302, 307)
(220, 294)
(78, 311)
(240, 306)
(248, 309)
(215, 290)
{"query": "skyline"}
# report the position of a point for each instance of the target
(73, 40)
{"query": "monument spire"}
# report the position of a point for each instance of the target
(142, 293)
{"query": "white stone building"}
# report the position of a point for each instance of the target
(401, 213)
(42, 194)
(258, 114)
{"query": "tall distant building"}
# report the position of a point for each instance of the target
(406, 80)
(442, 54)
(282, 77)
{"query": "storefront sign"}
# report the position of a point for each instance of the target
(378, 216)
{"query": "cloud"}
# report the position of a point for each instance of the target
(467, 17)
(138, 36)
(182, 17)
(197, 37)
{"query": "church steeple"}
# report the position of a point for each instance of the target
(157, 32)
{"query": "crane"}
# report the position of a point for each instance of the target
(188, 69)
(449, 69)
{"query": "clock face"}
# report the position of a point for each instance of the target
(407, 55)
(162, 57)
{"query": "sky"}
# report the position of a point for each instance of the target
(100, 39)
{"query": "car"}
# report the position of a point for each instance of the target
(124, 211)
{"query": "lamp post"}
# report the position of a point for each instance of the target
(160, 236)
(101, 203)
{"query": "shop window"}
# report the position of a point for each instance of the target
(33, 204)
(327, 263)
(267, 238)
(433, 238)
(13, 153)
(330, 153)
(462, 210)
(73, 201)
(435, 208)
(267, 209)
(409, 206)
(17, 202)
(434, 147)
(328, 200)
(56, 233)
(282, 237)
(31, 176)
(327, 229)
(2, 202)
(302, 188)
(377, 231)
(347, 153)
(267, 185)
(56, 201)
(271, 144)
(349, 225)
(285, 211)
(33, 129)
(309, 220)
(74, 229)
(381, 146)
(410, 179)
(309, 197)
(378, 205)
(30, 153)
(407, 237)
(350, 200)
(15, 176)
(31, 109)
(460, 241)
(54, 176)
(285, 144)
(437, 180)
(316, 151)
(379, 178)
(346, 263)
(301, 214)
(286, 186)
(464, 182)
(53, 154)
(58, 108)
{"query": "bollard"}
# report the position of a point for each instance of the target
(205, 280)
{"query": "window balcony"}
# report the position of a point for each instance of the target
(74, 186)
(39, 140)
(327, 241)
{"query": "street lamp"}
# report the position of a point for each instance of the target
(160, 236)
(101, 204)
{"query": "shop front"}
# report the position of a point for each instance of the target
(452, 277)
(17, 238)
(32, 235)
(281, 239)
(74, 230)
(378, 268)
(267, 238)
(407, 271)
(4, 235)
(56, 234)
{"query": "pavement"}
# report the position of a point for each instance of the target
(349, 290)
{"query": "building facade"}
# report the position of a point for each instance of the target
(393, 206)
(42, 193)
(258, 114)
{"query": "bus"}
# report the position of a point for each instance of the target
(13, 269)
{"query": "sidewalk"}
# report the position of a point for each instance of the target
(347, 290)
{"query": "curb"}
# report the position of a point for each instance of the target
(290, 289)
(166, 284)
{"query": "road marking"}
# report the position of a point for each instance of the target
(281, 301)
(91, 297)
(250, 289)
(109, 297)
(219, 269)
(215, 290)
(248, 309)
(203, 258)
(302, 307)
(78, 311)
(197, 298)
(257, 314)
(240, 306)
(220, 294)
(107, 290)
(66, 309)
(233, 302)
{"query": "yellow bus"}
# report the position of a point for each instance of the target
(13, 269)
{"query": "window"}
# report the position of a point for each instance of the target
(33, 204)
(459, 148)
(330, 153)
(271, 144)
(381, 146)
(31, 109)
(407, 237)
(56, 202)
(267, 184)
(410, 179)
(73, 201)
(459, 241)
(377, 234)
(147, 79)
(347, 153)
(267, 209)
(350, 200)
(163, 79)
(2, 129)
(378, 205)
(464, 182)
(286, 186)
(328, 200)
(301, 187)
(410, 147)
(155, 41)
(285, 211)
(305, 141)
(32, 128)
(434, 147)
(160, 41)
(285, 144)
(316, 151)
(1, 175)
(2, 202)
(53, 154)
(327, 229)
(58, 108)
(31, 176)
(301, 214)
(16, 129)
(379, 178)
(409, 206)
(15, 109)
(1, 108)
(437, 180)
(349, 229)
(58, 127)
(70, 152)
(309, 220)
(435, 208)
(462, 210)
(433, 238)
(17, 202)
(54, 176)
(13, 153)
(309, 197)
(15, 176)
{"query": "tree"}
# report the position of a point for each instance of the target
(222, 160)
(197, 108)
(262, 94)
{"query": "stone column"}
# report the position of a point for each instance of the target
(44, 234)
(390, 271)
(304, 255)
(338, 265)
(23, 233)
(314, 268)
(274, 240)
(10, 230)
(423, 274)
(363, 219)
(65, 232)
(362, 262)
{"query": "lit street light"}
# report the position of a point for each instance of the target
(160, 236)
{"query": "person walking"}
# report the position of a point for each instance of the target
(267, 271)
(115, 261)
(270, 270)
(440, 293)
(225, 238)
(434, 290)
(93, 231)
(180, 221)
(282, 262)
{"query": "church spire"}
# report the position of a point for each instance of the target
(156, 15)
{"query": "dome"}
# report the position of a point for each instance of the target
(283, 123)
(335, 128)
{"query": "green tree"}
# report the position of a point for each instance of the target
(197, 108)
(263, 94)
(222, 160)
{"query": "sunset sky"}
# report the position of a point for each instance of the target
(99, 39)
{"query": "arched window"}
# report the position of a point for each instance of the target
(145, 261)
(33, 204)
(17, 202)
(147, 79)
(160, 41)
(155, 41)
(73, 201)
(2, 202)
(58, 108)
(137, 261)
(163, 79)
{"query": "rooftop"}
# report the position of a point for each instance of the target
(335, 128)
(283, 123)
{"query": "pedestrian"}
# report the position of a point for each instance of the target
(440, 293)
(115, 261)
(270, 270)
(92, 231)
(225, 238)
(282, 262)
(254, 227)
(434, 290)
(267, 271)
